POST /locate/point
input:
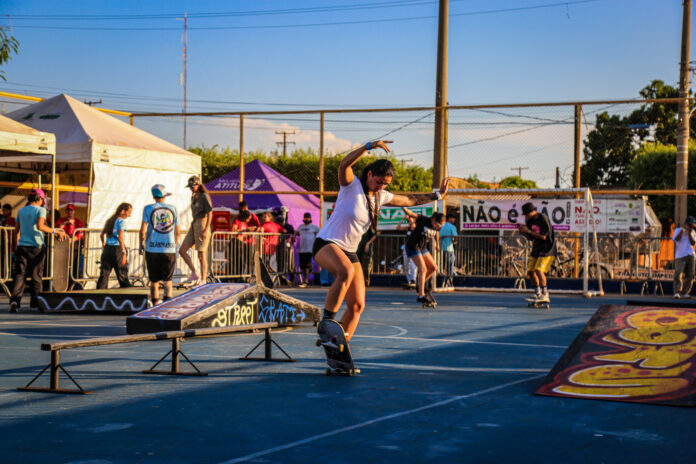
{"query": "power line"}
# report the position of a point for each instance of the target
(333, 23)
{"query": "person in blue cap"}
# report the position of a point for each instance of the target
(159, 235)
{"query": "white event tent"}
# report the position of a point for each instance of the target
(123, 162)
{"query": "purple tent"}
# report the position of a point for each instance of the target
(258, 176)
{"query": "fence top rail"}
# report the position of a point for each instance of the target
(189, 333)
(412, 108)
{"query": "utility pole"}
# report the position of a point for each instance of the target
(285, 141)
(683, 122)
(183, 76)
(440, 144)
(558, 177)
(519, 170)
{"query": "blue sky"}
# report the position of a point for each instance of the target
(242, 56)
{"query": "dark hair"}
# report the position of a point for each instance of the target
(7, 206)
(32, 197)
(381, 167)
(109, 226)
(243, 204)
(452, 215)
(438, 216)
(243, 215)
(528, 208)
(202, 188)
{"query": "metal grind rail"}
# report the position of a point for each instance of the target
(175, 336)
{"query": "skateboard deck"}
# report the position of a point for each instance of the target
(333, 339)
(429, 301)
(61, 273)
(538, 303)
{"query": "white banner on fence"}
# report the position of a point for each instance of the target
(610, 215)
(389, 216)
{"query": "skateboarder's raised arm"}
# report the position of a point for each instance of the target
(345, 168)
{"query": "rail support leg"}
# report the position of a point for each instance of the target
(55, 368)
(175, 352)
(268, 341)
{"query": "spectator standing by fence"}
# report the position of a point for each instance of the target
(159, 234)
(31, 250)
(364, 252)
(198, 235)
(270, 242)
(285, 252)
(114, 251)
(70, 224)
(410, 269)
(448, 238)
(6, 220)
(307, 233)
(245, 241)
(684, 240)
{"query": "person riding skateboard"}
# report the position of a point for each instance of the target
(537, 228)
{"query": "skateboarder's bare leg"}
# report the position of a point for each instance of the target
(421, 269)
(355, 303)
(431, 267)
(331, 258)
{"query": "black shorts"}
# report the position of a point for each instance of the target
(305, 260)
(320, 243)
(160, 266)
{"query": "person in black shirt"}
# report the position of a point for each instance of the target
(417, 247)
(537, 228)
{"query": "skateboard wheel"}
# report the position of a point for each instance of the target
(328, 371)
(341, 348)
(318, 342)
(351, 372)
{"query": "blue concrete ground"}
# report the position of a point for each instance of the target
(452, 385)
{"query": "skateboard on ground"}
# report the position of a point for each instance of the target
(333, 339)
(538, 302)
(429, 300)
(185, 285)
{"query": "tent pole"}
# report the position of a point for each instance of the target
(321, 169)
(54, 204)
(241, 157)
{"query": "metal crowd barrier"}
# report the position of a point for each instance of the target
(231, 254)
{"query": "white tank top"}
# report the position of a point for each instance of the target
(350, 218)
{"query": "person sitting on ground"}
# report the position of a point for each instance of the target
(159, 235)
(425, 231)
(30, 255)
(537, 228)
(114, 252)
(198, 235)
(684, 240)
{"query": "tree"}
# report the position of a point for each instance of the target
(647, 171)
(8, 46)
(516, 182)
(613, 144)
(302, 167)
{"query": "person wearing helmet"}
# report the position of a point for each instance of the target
(159, 235)
(30, 255)
(537, 228)
(684, 240)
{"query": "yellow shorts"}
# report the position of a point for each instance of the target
(194, 237)
(542, 263)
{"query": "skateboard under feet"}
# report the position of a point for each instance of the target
(333, 339)
(538, 302)
(429, 301)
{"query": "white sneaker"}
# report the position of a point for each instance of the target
(686, 296)
(676, 295)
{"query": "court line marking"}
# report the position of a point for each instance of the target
(376, 420)
(444, 340)
(504, 370)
